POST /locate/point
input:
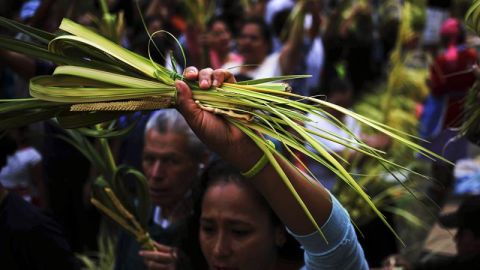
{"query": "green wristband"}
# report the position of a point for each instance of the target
(259, 165)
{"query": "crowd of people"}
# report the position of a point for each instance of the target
(216, 202)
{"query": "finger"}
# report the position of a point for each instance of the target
(152, 265)
(190, 73)
(205, 78)
(163, 248)
(159, 257)
(222, 75)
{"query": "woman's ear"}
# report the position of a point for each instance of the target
(280, 236)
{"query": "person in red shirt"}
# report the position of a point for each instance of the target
(452, 73)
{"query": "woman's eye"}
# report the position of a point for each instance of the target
(241, 232)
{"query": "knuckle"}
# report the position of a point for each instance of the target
(206, 71)
(189, 70)
(219, 71)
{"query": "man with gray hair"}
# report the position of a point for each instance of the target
(172, 160)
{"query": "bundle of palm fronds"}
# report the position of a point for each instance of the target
(109, 193)
(104, 258)
(98, 81)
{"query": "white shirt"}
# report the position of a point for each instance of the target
(270, 67)
(321, 125)
(16, 174)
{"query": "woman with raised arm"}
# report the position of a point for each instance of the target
(341, 249)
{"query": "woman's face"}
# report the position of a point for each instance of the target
(236, 231)
(252, 45)
(220, 37)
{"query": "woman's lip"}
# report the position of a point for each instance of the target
(216, 267)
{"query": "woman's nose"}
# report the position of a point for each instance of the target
(222, 246)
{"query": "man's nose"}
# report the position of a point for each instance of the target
(158, 169)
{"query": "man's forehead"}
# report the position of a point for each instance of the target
(165, 141)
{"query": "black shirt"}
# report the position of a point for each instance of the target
(31, 240)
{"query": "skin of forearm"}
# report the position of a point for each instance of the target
(269, 183)
(291, 51)
(315, 197)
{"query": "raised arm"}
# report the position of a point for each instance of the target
(228, 142)
(341, 249)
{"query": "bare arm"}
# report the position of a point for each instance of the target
(292, 50)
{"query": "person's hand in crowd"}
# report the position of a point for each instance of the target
(164, 258)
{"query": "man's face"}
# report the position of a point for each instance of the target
(168, 166)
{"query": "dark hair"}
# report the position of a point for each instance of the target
(170, 120)
(221, 19)
(222, 172)
(264, 29)
(219, 172)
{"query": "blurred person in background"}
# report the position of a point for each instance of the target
(300, 53)
(28, 238)
(466, 221)
(452, 73)
(220, 43)
(23, 172)
(173, 158)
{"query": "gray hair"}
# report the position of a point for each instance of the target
(171, 121)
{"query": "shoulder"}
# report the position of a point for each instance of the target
(270, 67)
(233, 63)
(28, 228)
(18, 216)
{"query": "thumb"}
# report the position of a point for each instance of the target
(185, 101)
(186, 105)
